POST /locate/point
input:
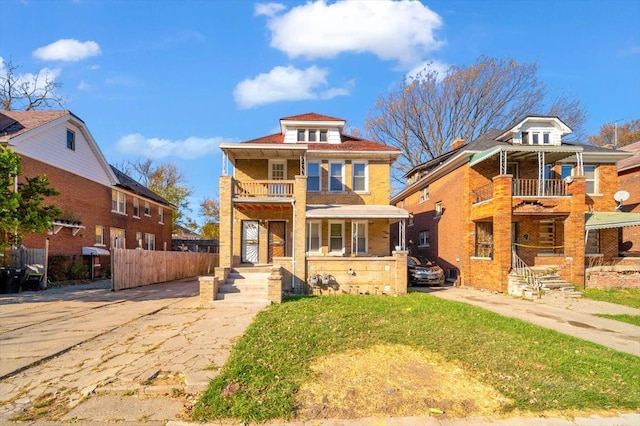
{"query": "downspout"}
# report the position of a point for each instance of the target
(293, 248)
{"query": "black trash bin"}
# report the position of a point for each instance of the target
(15, 278)
(4, 280)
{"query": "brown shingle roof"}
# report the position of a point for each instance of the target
(23, 121)
(311, 116)
(630, 162)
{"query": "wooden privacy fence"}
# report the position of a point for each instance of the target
(21, 257)
(135, 268)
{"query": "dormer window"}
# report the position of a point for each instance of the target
(323, 135)
(301, 133)
(312, 135)
(545, 138)
(525, 138)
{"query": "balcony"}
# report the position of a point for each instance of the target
(263, 189)
(524, 188)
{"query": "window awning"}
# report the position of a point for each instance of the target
(95, 251)
(327, 211)
(603, 220)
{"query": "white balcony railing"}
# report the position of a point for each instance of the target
(263, 189)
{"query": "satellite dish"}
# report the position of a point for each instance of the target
(621, 196)
(568, 179)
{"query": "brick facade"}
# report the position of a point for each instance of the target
(88, 202)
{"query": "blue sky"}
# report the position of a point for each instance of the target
(173, 79)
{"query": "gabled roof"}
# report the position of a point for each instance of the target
(134, 186)
(559, 124)
(15, 123)
(631, 162)
(311, 116)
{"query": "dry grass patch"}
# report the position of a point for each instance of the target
(392, 380)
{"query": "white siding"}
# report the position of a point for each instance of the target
(50, 147)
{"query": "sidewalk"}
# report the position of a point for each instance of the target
(575, 317)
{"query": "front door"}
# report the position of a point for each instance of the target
(250, 241)
(277, 232)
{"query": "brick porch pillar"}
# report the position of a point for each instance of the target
(299, 243)
(574, 231)
(226, 221)
(502, 219)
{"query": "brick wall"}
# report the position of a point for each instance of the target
(630, 237)
(90, 203)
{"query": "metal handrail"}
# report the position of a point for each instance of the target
(525, 272)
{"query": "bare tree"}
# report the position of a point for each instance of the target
(27, 91)
(166, 180)
(424, 114)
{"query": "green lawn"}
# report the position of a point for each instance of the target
(537, 369)
(631, 319)
(627, 297)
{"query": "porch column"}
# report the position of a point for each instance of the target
(299, 237)
(502, 217)
(226, 221)
(574, 243)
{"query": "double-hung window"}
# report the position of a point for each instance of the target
(423, 239)
(117, 236)
(99, 235)
(336, 237)
(313, 177)
(147, 208)
(336, 176)
(312, 135)
(591, 179)
(301, 134)
(359, 233)
(593, 242)
(359, 176)
(323, 135)
(136, 207)
(139, 240)
(150, 241)
(424, 194)
(314, 239)
(161, 215)
(118, 201)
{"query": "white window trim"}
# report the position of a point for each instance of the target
(366, 176)
(136, 203)
(596, 186)
(139, 240)
(420, 242)
(272, 163)
(354, 243)
(119, 204)
(342, 251)
(438, 208)
(160, 215)
(423, 192)
(147, 204)
(118, 242)
(319, 163)
(308, 242)
(341, 163)
(101, 234)
(147, 239)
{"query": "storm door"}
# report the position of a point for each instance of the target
(250, 241)
(277, 246)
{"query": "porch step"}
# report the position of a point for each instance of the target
(245, 285)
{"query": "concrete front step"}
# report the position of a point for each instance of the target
(239, 299)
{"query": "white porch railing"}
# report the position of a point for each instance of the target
(539, 188)
(263, 188)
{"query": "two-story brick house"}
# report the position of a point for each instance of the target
(516, 196)
(316, 201)
(101, 206)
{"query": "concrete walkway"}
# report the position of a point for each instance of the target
(89, 356)
(575, 317)
(137, 355)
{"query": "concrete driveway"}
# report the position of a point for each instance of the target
(95, 355)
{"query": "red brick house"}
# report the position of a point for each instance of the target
(629, 181)
(519, 197)
(315, 201)
(101, 206)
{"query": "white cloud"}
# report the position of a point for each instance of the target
(439, 67)
(285, 84)
(68, 50)
(40, 79)
(268, 9)
(190, 148)
(392, 30)
(83, 85)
